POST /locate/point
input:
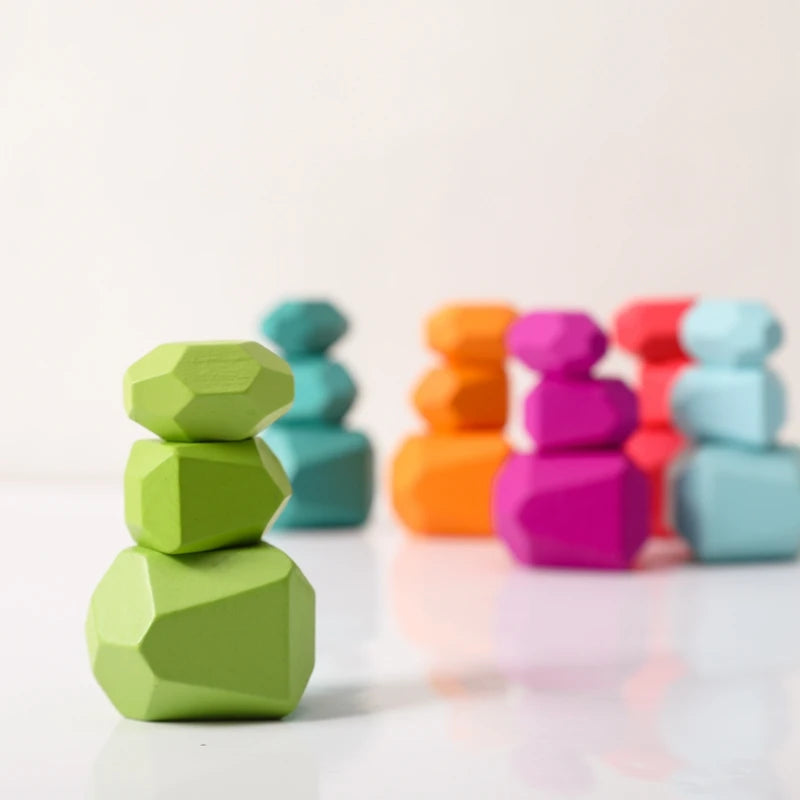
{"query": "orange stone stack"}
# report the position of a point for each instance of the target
(442, 479)
(648, 329)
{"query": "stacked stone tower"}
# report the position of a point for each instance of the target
(330, 466)
(441, 480)
(578, 501)
(201, 619)
(648, 329)
(736, 494)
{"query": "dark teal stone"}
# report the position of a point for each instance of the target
(304, 327)
(331, 471)
(323, 390)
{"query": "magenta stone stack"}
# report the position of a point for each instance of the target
(578, 500)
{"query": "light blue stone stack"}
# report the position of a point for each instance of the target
(330, 467)
(735, 495)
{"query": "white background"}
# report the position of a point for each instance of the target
(170, 169)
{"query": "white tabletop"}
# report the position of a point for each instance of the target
(442, 671)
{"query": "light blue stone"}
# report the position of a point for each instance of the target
(732, 333)
(323, 390)
(733, 504)
(304, 327)
(746, 405)
(331, 472)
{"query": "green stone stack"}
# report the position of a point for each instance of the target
(201, 619)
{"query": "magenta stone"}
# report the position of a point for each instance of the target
(582, 509)
(567, 413)
(557, 342)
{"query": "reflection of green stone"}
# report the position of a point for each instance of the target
(187, 497)
(208, 391)
(227, 633)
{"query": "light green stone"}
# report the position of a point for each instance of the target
(208, 391)
(188, 497)
(223, 634)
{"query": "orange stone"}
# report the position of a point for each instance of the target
(470, 332)
(442, 483)
(653, 450)
(463, 397)
(655, 384)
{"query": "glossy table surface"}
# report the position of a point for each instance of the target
(442, 671)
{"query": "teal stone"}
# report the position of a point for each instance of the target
(730, 333)
(331, 473)
(745, 406)
(304, 327)
(324, 390)
(735, 504)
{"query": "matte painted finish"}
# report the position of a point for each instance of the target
(208, 391)
(730, 333)
(188, 497)
(223, 634)
(569, 414)
(735, 504)
(323, 390)
(572, 509)
(745, 406)
(330, 469)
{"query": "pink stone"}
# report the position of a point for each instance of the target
(569, 413)
(557, 342)
(582, 509)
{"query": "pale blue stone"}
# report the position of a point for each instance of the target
(746, 406)
(323, 390)
(331, 472)
(734, 504)
(730, 332)
(304, 327)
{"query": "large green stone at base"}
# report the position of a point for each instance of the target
(223, 634)
(331, 473)
(185, 497)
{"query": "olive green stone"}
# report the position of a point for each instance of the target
(208, 391)
(188, 497)
(223, 634)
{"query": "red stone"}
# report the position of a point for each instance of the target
(653, 450)
(649, 328)
(655, 383)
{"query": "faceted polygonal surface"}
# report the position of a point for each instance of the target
(572, 510)
(563, 413)
(733, 333)
(656, 379)
(463, 397)
(557, 342)
(653, 450)
(742, 405)
(331, 472)
(649, 328)
(208, 391)
(324, 390)
(188, 497)
(470, 332)
(736, 504)
(304, 327)
(442, 483)
(228, 633)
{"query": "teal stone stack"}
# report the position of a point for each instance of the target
(735, 495)
(330, 467)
